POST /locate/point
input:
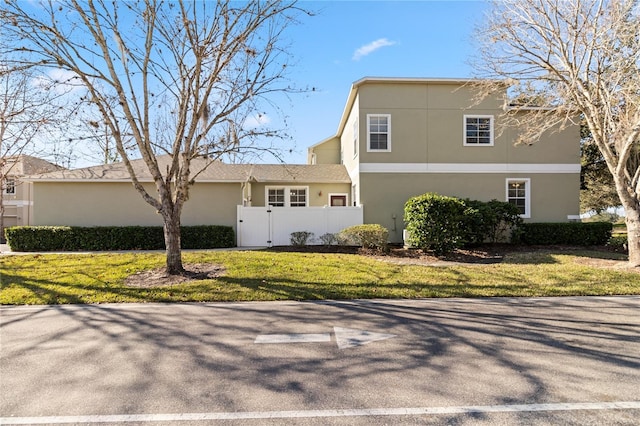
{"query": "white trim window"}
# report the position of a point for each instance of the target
(10, 186)
(519, 194)
(287, 196)
(298, 197)
(275, 197)
(379, 132)
(478, 130)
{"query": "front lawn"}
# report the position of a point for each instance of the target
(268, 275)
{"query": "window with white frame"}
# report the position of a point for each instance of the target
(379, 132)
(519, 194)
(10, 186)
(478, 130)
(285, 196)
(275, 197)
(298, 197)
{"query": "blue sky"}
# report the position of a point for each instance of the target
(348, 40)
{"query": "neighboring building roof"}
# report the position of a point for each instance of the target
(213, 172)
(22, 165)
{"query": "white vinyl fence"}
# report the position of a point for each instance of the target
(272, 226)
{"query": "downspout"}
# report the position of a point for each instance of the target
(247, 184)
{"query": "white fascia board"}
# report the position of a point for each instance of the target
(468, 168)
(299, 181)
(422, 80)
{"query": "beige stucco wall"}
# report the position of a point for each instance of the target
(318, 192)
(119, 204)
(327, 152)
(427, 126)
(553, 196)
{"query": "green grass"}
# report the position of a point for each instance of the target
(264, 275)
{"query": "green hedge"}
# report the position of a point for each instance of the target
(106, 238)
(435, 222)
(571, 233)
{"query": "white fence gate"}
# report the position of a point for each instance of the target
(272, 226)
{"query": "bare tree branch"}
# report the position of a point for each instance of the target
(574, 58)
(186, 76)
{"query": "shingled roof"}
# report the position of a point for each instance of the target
(213, 172)
(23, 164)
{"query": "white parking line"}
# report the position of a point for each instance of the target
(128, 418)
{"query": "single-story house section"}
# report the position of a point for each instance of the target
(237, 195)
(16, 197)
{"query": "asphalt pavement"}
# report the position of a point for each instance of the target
(573, 360)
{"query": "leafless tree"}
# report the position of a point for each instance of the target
(573, 59)
(28, 107)
(187, 75)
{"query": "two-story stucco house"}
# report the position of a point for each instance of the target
(399, 138)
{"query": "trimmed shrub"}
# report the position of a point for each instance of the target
(493, 221)
(106, 238)
(478, 218)
(371, 236)
(328, 239)
(300, 238)
(206, 237)
(618, 242)
(435, 222)
(571, 233)
(442, 224)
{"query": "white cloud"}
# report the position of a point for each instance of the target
(371, 47)
(61, 81)
(256, 121)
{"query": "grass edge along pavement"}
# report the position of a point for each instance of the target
(268, 275)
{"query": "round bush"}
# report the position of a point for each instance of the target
(435, 222)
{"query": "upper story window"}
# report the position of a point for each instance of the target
(478, 130)
(379, 132)
(10, 186)
(519, 194)
(287, 196)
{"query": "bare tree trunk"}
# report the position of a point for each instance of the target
(2, 238)
(235, 64)
(632, 219)
(172, 241)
